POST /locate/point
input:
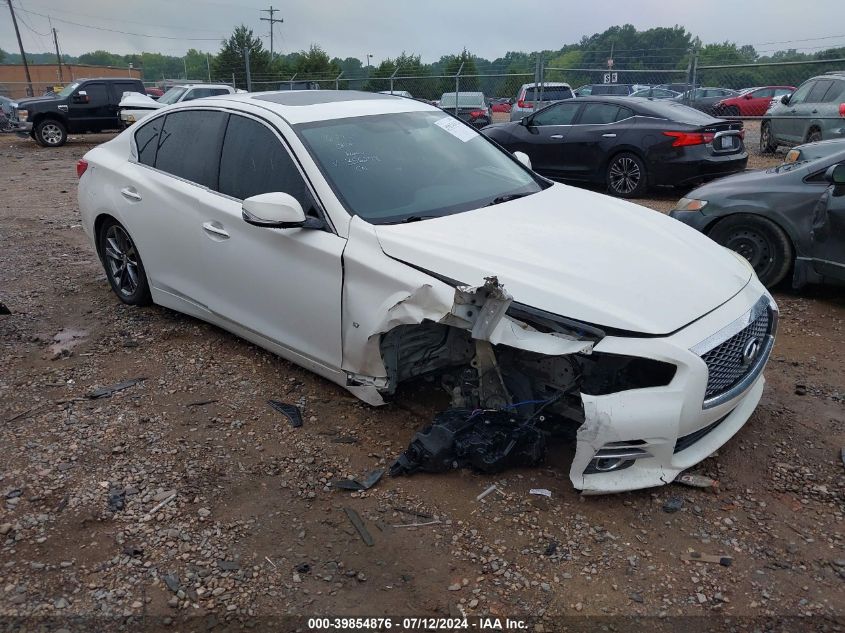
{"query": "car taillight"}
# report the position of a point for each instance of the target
(683, 139)
(477, 113)
(842, 109)
(522, 103)
(81, 166)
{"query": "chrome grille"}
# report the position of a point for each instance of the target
(731, 368)
(725, 364)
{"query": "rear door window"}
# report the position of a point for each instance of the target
(189, 145)
(146, 141)
(598, 114)
(255, 161)
(559, 114)
(765, 93)
(834, 93)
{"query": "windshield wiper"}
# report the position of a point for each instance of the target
(414, 218)
(507, 198)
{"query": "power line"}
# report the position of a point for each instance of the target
(102, 28)
(809, 39)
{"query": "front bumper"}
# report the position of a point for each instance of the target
(669, 425)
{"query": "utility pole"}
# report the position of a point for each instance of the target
(272, 21)
(20, 45)
(208, 67)
(59, 56)
(248, 74)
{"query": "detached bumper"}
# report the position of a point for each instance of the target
(664, 430)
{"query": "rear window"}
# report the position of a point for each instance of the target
(835, 92)
(610, 90)
(550, 93)
(465, 100)
(677, 112)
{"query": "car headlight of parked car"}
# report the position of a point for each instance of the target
(792, 156)
(22, 115)
(690, 204)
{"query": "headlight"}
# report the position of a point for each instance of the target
(792, 156)
(690, 204)
(22, 115)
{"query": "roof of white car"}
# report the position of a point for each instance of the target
(304, 106)
(200, 86)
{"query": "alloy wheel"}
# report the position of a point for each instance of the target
(625, 175)
(122, 259)
(51, 134)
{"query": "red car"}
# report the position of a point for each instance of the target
(751, 102)
(500, 105)
(154, 93)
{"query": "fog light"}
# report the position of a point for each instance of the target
(613, 457)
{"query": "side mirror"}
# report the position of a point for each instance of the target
(275, 210)
(835, 175)
(81, 97)
(748, 96)
(526, 120)
(785, 99)
(522, 157)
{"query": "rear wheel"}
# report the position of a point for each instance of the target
(626, 176)
(767, 143)
(762, 242)
(124, 268)
(50, 133)
(814, 135)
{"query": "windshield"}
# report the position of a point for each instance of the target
(412, 165)
(171, 96)
(68, 90)
(465, 100)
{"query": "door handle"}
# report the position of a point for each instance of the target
(814, 112)
(609, 135)
(215, 228)
(557, 137)
(130, 194)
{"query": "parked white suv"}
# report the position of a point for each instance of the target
(134, 106)
(375, 239)
(532, 97)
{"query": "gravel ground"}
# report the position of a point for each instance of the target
(186, 496)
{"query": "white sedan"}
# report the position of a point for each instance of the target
(375, 239)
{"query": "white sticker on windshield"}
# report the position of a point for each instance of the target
(457, 129)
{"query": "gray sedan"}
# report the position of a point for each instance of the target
(767, 217)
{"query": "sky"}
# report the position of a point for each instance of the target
(431, 28)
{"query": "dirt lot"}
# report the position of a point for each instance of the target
(253, 530)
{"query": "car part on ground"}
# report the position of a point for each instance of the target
(815, 111)
(625, 143)
(414, 248)
(768, 217)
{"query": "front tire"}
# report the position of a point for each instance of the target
(50, 133)
(124, 268)
(763, 243)
(767, 143)
(626, 176)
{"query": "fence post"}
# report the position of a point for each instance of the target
(337, 81)
(396, 70)
(291, 80)
(458, 86)
(694, 70)
(234, 85)
(248, 76)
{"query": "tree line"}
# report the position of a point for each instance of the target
(657, 49)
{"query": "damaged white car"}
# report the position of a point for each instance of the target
(375, 239)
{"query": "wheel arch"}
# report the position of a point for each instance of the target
(752, 212)
(43, 116)
(101, 218)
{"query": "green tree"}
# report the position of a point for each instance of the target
(2, 55)
(315, 63)
(100, 58)
(231, 60)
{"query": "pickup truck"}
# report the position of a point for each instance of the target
(86, 105)
(135, 106)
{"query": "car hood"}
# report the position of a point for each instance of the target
(581, 255)
(24, 104)
(137, 100)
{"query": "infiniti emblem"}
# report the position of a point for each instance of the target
(750, 351)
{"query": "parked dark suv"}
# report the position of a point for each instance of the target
(87, 105)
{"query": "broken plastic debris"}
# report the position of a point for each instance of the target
(293, 414)
(724, 561)
(486, 492)
(673, 504)
(541, 492)
(104, 392)
(697, 481)
(487, 441)
(365, 483)
(358, 524)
